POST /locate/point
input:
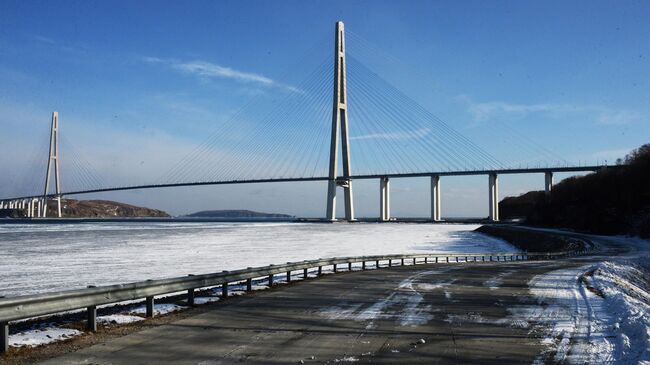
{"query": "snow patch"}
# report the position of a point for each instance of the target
(205, 300)
(159, 309)
(347, 359)
(405, 304)
(37, 337)
(495, 282)
(595, 314)
(118, 319)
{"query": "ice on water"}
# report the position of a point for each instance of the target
(49, 257)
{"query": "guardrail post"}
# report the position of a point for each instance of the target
(436, 259)
(304, 273)
(456, 258)
(447, 258)
(190, 295)
(320, 270)
(91, 316)
(149, 306)
(335, 269)
(390, 263)
(363, 265)
(249, 284)
(4, 337)
(224, 290)
(289, 276)
(414, 261)
(402, 264)
(426, 260)
(377, 264)
(349, 266)
(270, 280)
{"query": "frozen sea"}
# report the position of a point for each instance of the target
(38, 258)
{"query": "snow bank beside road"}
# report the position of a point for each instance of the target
(596, 314)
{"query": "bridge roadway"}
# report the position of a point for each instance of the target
(374, 316)
(534, 170)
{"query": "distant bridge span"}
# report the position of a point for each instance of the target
(36, 206)
(385, 196)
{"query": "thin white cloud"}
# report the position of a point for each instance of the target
(482, 111)
(415, 134)
(611, 155)
(619, 118)
(206, 69)
(42, 39)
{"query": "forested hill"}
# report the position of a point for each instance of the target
(71, 208)
(610, 201)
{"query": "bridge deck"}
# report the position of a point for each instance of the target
(533, 170)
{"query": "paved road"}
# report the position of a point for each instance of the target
(423, 314)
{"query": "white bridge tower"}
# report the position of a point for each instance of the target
(340, 127)
(53, 163)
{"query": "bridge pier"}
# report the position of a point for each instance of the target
(548, 182)
(384, 199)
(435, 198)
(494, 197)
(58, 204)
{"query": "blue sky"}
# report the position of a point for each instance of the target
(139, 85)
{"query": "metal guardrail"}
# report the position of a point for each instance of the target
(30, 306)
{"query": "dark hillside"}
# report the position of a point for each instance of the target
(611, 201)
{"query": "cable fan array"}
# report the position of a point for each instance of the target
(285, 132)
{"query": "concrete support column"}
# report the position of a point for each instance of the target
(58, 202)
(494, 197)
(384, 199)
(39, 210)
(44, 207)
(435, 198)
(548, 182)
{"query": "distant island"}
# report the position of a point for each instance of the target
(236, 213)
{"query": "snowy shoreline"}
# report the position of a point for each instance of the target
(42, 258)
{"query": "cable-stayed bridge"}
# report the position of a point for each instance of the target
(341, 108)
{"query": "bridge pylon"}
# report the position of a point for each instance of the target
(340, 128)
(53, 163)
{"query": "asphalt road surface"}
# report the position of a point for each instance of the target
(422, 314)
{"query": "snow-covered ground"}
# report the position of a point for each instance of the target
(593, 314)
(41, 336)
(49, 257)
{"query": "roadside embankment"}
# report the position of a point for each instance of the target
(536, 241)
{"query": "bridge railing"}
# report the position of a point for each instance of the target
(31, 306)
